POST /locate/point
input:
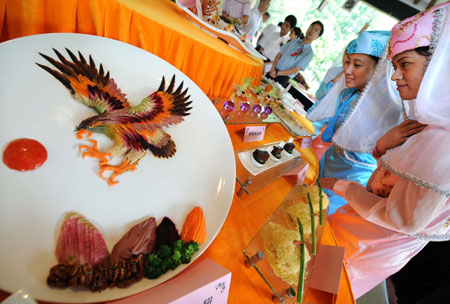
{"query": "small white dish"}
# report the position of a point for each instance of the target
(273, 157)
(286, 154)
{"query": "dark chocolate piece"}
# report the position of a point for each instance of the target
(276, 152)
(261, 156)
(289, 147)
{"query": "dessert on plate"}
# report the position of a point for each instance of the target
(288, 148)
(260, 157)
(275, 154)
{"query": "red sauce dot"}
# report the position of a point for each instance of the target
(24, 154)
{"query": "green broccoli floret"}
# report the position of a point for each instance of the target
(166, 258)
(175, 259)
(178, 245)
(164, 251)
(153, 272)
(165, 264)
(154, 260)
(188, 251)
(191, 247)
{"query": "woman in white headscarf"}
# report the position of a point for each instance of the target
(407, 200)
(350, 157)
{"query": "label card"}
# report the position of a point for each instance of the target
(306, 142)
(301, 175)
(254, 133)
(327, 271)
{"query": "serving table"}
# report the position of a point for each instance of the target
(248, 214)
(157, 26)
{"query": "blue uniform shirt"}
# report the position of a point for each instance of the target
(294, 54)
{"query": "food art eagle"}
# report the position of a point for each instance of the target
(133, 129)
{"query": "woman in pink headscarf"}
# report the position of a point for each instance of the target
(406, 203)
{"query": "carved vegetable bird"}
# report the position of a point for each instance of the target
(133, 129)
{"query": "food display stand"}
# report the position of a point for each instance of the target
(264, 255)
(250, 105)
(252, 178)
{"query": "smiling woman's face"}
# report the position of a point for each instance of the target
(357, 70)
(409, 69)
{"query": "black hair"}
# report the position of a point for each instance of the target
(280, 24)
(321, 25)
(423, 50)
(374, 58)
(298, 32)
(267, 14)
(291, 20)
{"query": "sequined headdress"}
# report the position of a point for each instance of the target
(416, 31)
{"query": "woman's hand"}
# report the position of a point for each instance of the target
(244, 20)
(328, 182)
(398, 135)
(273, 73)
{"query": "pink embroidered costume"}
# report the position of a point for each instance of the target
(407, 200)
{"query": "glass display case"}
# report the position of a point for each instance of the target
(275, 253)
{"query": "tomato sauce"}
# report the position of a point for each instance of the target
(24, 154)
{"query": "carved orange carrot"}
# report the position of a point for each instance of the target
(194, 228)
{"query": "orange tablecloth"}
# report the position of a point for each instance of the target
(157, 26)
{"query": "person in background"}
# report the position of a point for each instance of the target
(265, 17)
(237, 9)
(341, 160)
(406, 203)
(295, 56)
(300, 79)
(325, 86)
(330, 79)
(272, 36)
(256, 18)
(296, 33)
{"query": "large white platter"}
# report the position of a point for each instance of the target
(35, 105)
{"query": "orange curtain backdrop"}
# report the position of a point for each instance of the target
(157, 26)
